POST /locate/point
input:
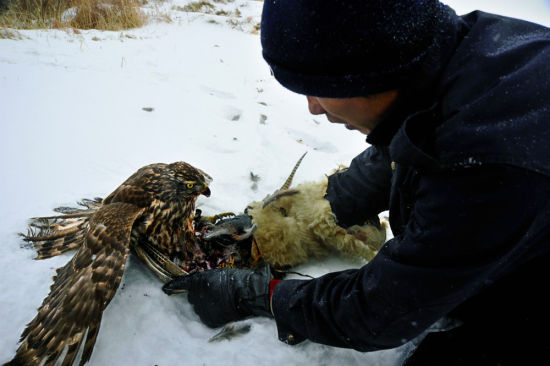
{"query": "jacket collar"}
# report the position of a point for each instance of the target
(411, 144)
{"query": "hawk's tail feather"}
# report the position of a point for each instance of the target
(90, 204)
(53, 235)
(158, 263)
(81, 213)
(16, 361)
(51, 238)
(89, 344)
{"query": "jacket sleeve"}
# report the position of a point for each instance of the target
(467, 229)
(363, 190)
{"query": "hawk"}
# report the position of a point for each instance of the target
(152, 213)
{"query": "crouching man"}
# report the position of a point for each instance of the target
(456, 110)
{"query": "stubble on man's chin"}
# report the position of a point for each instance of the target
(364, 131)
(332, 119)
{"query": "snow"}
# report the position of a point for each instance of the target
(72, 125)
(537, 11)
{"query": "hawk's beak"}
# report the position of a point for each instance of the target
(206, 191)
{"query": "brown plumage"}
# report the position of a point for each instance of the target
(151, 212)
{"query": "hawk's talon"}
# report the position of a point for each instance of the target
(214, 219)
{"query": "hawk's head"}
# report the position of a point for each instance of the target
(188, 180)
(177, 183)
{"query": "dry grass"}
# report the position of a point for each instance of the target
(205, 7)
(256, 28)
(112, 15)
(10, 34)
(163, 17)
(81, 14)
(201, 6)
(118, 15)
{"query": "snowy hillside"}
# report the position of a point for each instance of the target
(73, 125)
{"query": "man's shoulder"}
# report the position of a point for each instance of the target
(493, 50)
(494, 95)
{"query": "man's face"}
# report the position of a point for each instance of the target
(360, 113)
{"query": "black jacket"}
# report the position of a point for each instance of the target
(469, 199)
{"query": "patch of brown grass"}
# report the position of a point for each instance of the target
(201, 6)
(115, 15)
(86, 14)
(256, 28)
(10, 34)
(164, 17)
(31, 14)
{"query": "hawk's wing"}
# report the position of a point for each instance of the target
(71, 314)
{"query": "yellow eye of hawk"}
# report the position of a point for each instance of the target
(190, 185)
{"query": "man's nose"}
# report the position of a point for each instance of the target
(314, 106)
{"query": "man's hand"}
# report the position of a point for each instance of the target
(223, 295)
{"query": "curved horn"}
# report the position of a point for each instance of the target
(284, 190)
(288, 181)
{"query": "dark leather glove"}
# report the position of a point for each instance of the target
(220, 296)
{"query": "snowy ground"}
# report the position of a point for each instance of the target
(72, 126)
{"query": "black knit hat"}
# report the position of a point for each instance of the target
(350, 48)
